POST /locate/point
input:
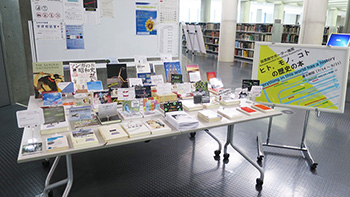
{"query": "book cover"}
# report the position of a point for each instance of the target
(150, 104)
(131, 106)
(209, 116)
(211, 75)
(56, 143)
(181, 120)
(194, 74)
(171, 68)
(83, 99)
(85, 123)
(143, 91)
(262, 108)
(176, 78)
(247, 110)
(136, 129)
(81, 73)
(83, 138)
(172, 106)
(157, 126)
(248, 83)
(230, 113)
(143, 68)
(201, 86)
(134, 82)
(52, 98)
(65, 87)
(80, 113)
(113, 133)
(53, 114)
(32, 148)
(117, 76)
(46, 75)
(146, 78)
(94, 85)
(101, 97)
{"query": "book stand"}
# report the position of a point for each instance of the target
(303, 148)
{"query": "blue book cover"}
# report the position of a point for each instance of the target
(80, 113)
(94, 86)
(146, 78)
(171, 68)
(66, 87)
(52, 98)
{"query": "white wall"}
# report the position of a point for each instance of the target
(190, 10)
(215, 11)
(266, 12)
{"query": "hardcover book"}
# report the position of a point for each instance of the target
(83, 138)
(262, 108)
(230, 113)
(56, 143)
(117, 76)
(54, 120)
(113, 133)
(209, 116)
(46, 76)
(157, 126)
(52, 98)
(81, 73)
(171, 68)
(143, 91)
(146, 78)
(135, 129)
(247, 110)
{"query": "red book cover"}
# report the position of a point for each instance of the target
(211, 75)
(248, 109)
(263, 107)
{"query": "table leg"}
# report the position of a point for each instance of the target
(217, 152)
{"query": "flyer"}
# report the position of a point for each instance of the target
(75, 37)
(146, 18)
(49, 30)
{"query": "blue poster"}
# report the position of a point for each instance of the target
(75, 37)
(146, 16)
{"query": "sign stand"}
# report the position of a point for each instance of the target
(194, 38)
(303, 148)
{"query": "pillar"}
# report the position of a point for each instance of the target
(228, 30)
(332, 17)
(205, 10)
(278, 11)
(314, 19)
(245, 11)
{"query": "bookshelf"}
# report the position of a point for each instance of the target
(327, 31)
(211, 34)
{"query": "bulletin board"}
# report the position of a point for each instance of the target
(302, 76)
(110, 37)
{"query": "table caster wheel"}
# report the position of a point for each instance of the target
(259, 159)
(147, 141)
(193, 134)
(217, 153)
(50, 194)
(313, 166)
(226, 156)
(259, 182)
(45, 163)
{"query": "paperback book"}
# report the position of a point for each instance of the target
(135, 129)
(83, 138)
(117, 76)
(32, 148)
(181, 120)
(262, 108)
(56, 143)
(54, 120)
(248, 111)
(81, 73)
(209, 115)
(189, 105)
(113, 133)
(157, 126)
(193, 73)
(171, 68)
(230, 113)
(52, 98)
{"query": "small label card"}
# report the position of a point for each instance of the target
(166, 57)
(126, 93)
(30, 118)
(184, 88)
(108, 109)
(164, 89)
(157, 79)
(135, 82)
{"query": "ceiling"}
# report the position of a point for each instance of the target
(338, 4)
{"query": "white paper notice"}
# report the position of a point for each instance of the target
(194, 76)
(140, 59)
(157, 79)
(126, 93)
(135, 82)
(168, 11)
(73, 12)
(49, 30)
(92, 17)
(30, 118)
(164, 89)
(184, 88)
(47, 10)
(143, 68)
(168, 39)
(107, 8)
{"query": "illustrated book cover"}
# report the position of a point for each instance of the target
(81, 73)
(117, 76)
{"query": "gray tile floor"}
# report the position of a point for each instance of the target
(185, 167)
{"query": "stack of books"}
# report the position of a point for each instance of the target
(230, 113)
(56, 143)
(156, 126)
(230, 102)
(113, 133)
(181, 120)
(83, 138)
(188, 105)
(135, 129)
(209, 116)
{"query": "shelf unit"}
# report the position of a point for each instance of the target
(290, 34)
(211, 34)
(326, 33)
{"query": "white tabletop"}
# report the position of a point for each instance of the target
(35, 103)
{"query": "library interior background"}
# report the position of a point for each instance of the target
(219, 98)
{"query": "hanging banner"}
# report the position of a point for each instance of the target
(304, 76)
(146, 18)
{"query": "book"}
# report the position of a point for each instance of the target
(52, 98)
(81, 73)
(79, 113)
(94, 85)
(230, 113)
(135, 82)
(262, 108)
(156, 126)
(108, 113)
(83, 99)
(172, 106)
(212, 104)
(54, 120)
(176, 78)
(113, 133)
(135, 129)
(125, 115)
(193, 73)
(189, 105)
(211, 75)
(109, 119)
(230, 102)
(46, 75)
(181, 120)
(209, 115)
(143, 91)
(117, 76)
(171, 68)
(83, 138)
(85, 123)
(32, 148)
(248, 83)
(56, 143)
(201, 86)
(101, 97)
(65, 87)
(145, 77)
(247, 110)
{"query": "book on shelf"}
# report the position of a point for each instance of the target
(262, 108)
(56, 143)
(181, 120)
(156, 126)
(32, 148)
(54, 120)
(230, 113)
(46, 75)
(113, 133)
(209, 115)
(189, 105)
(83, 138)
(135, 128)
(247, 110)
(81, 73)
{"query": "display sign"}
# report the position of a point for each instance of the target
(302, 76)
(29, 118)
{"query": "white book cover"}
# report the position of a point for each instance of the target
(83, 138)
(230, 102)
(153, 113)
(181, 120)
(135, 128)
(209, 115)
(113, 132)
(157, 126)
(190, 106)
(230, 113)
(81, 73)
(56, 143)
(212, 104)
(54, 128)
(129, 115)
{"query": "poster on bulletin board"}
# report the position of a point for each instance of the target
(302, 76)
(146, 18)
